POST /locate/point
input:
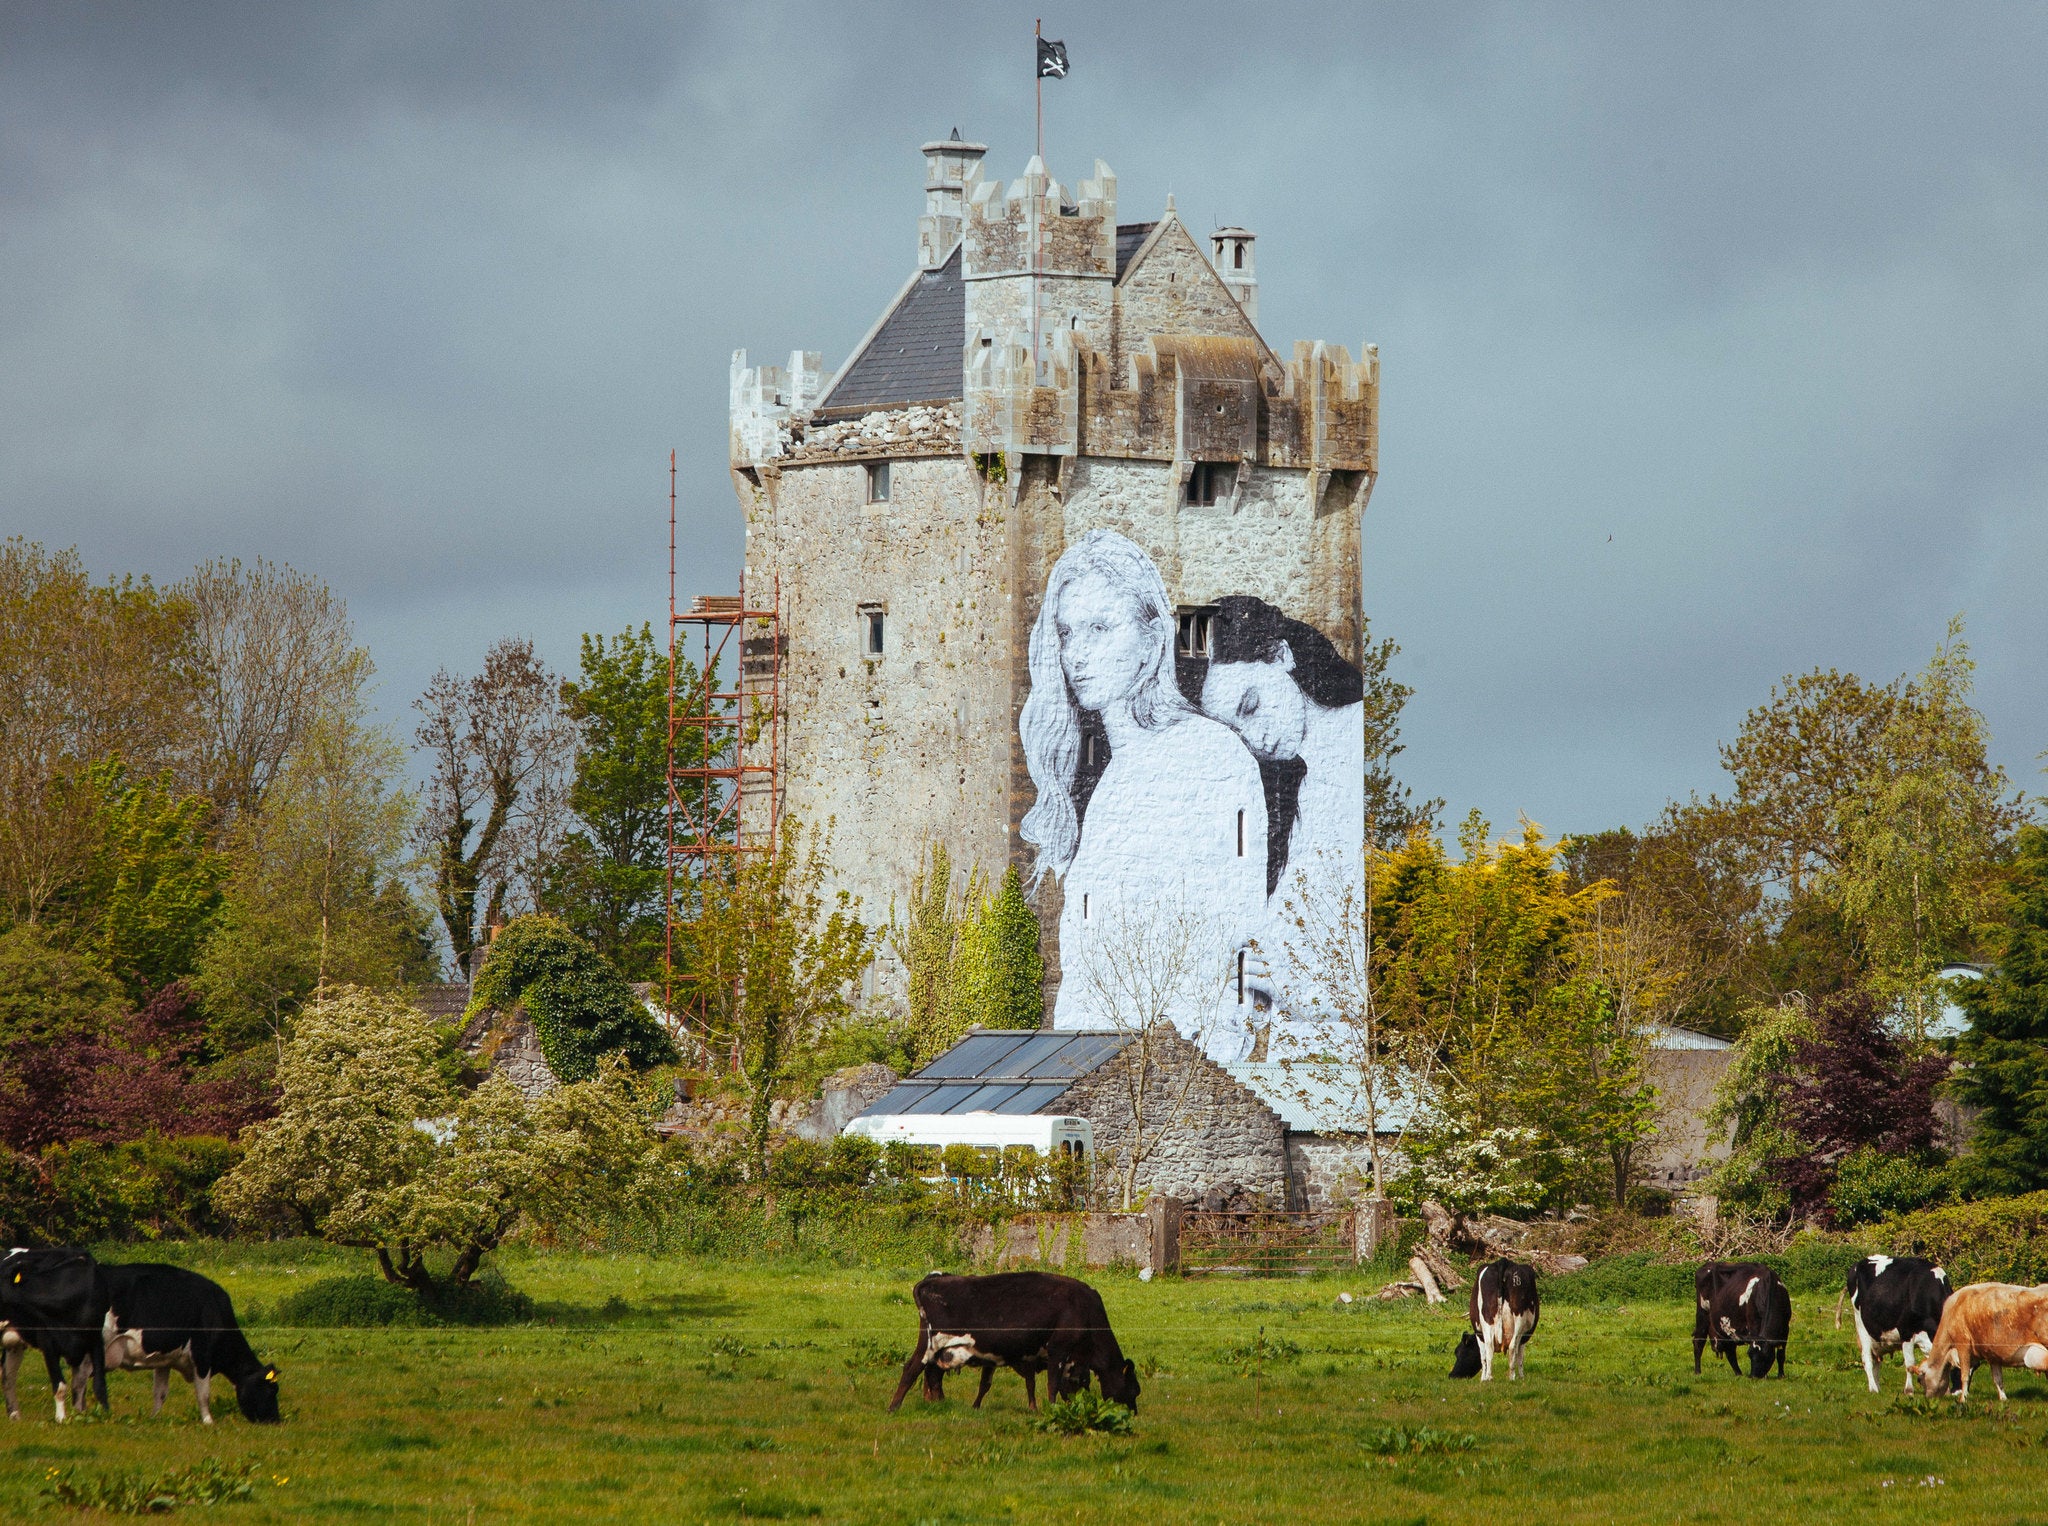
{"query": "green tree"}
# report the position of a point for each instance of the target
(146, 897)
(2004, 1053)
(1000, 974)
(1919, 835)
(582, 1009)
(929, 946)
(373, 1146)
(772, 960)
(317, 896)
(1532, 1069)
(608, 880)
(88, 673)
(49, 993)
(1750, 1104)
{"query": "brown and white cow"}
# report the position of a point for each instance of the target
(1503, 1310)
(1030, 1321)
(1997, 1323)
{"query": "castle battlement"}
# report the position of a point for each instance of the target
(764, 400)
(1183, 399)
(1031, 226)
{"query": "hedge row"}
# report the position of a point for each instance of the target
(145, 1189)
(2002, 1239)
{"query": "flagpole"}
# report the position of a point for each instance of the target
(1038, 31)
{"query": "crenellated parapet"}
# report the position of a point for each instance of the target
(1030, 225)
(764, 400)
(1186, 398)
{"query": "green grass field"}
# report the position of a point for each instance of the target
(675, 1390)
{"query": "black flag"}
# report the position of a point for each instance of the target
(1052, 59)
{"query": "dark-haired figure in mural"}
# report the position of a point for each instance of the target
(1280, 684)
(1177, 822)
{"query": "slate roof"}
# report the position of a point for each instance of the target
(1129, 237)
(914, 356)
(1001, 1072)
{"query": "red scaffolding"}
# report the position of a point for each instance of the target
(724, 738)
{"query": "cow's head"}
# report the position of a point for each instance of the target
(1121, 1384)
(257, 1396)
(1933, 1372)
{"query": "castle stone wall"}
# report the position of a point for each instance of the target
(911, 747)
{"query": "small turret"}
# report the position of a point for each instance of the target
(1231, 253)
(949, 165)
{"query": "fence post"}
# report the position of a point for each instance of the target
(1372, 1224)
(1163, 1216)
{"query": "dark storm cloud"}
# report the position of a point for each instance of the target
(418, 296)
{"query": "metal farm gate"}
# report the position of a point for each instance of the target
(1265, 1244)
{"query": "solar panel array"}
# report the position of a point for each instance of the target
(1014, 1073)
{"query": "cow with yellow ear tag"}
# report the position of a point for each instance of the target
(164, 1319)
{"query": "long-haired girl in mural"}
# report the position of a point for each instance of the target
(1177, 816)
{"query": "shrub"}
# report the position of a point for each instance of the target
(1084, 1412)
(353, 1303)
(1871, 1186)
(1638, 1277)
(1991, 1240)
(145, 1189)
(582, 1008)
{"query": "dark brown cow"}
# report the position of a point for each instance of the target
(1030, 1321)
(1741, 1303)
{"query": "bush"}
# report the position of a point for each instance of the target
(354, 1303)
(146, 1189)
(1870, 1186)
(1993, 1240)
(1638, 1277)
(1085, 1411)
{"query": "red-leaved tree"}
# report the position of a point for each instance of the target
(1853, 1085)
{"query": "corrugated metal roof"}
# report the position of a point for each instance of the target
(996, 1072)
(1129, 238)
(915, 356)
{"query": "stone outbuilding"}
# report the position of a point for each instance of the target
(1207, 1135)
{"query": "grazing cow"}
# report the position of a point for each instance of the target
(52, 1301)
(1995, 1323)
(1742, 1303)
(1466, 1363)
(1503, 1312)
(166, 1319)
(1031, 1321)
(1897, 1303)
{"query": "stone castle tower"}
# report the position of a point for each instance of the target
(1047, 373)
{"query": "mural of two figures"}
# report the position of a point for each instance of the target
(1199, 774)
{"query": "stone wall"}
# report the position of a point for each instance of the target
(1684, 1148)
(510, 1047)
(912, 746)
(1225, 1134)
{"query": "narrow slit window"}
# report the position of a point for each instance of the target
(1240, 834)
(872, 632)
(1240, 977)
(878, 482)
(1210, 481)
(1084, 906)
(1237, 256)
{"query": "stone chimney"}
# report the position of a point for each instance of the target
(1231, 249)
(948, 166)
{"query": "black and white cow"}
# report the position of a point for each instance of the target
(1896, 1303)
(165, 1319)
(1741, 1303)
(1030, 1321)
(1504, 1308)
(52, 1301)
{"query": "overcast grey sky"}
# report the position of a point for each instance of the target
(1714, 339)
